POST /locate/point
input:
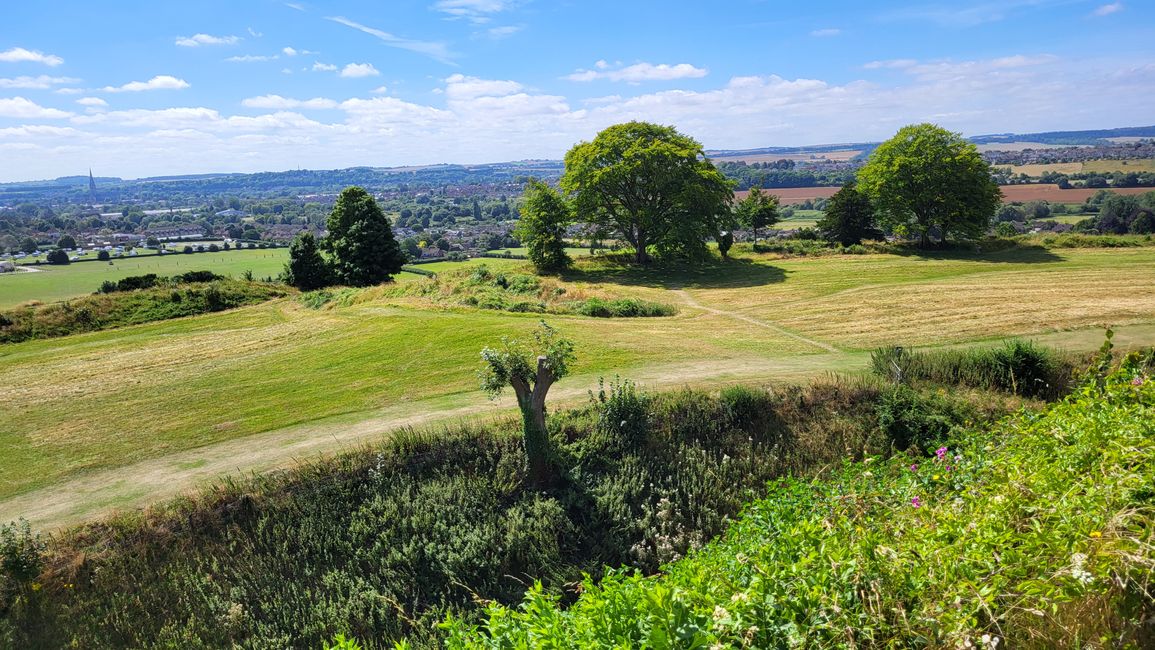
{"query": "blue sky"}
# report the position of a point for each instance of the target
(143, 88)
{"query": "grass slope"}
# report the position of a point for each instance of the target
(1039, 532)
(53, 283)
(100, 404)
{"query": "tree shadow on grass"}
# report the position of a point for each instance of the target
(1020, 254)
(706, 274)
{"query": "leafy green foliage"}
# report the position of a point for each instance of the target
(649, 186)
(1035, 533)
(849, 217)
(361, 241)
(306, 269)
(544, 217)
(1018, 367)
(622, 308)
(21, 560)
(926, 179)
(757, 210)
(58, 256)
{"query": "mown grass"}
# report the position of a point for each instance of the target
(384, 542)
(1038, 532)
(54, 283)
(101, 401)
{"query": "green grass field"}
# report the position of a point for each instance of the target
(52, 283)
(93, 407)
(800, 219)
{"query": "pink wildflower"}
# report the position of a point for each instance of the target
(914, 467)
(940, 452)
(916, 502)
(1138, 381)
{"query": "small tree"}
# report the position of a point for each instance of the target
(530, 369)
(29, 245)
(306, 269)
(757, 210)
(849, 217)
(544, 217)
(58, 256)
(103, 256)
(67, 241)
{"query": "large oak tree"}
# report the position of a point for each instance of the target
(926, 178)
(649, 186)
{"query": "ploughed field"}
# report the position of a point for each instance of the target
(123, 417)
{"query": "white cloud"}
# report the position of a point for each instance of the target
(252, 58)
(295, 5)
(69, 91)
(254, 33)
(379, 90)
(25, 109)
(276, 102)
(504, 31)
(32, 130)
(323, 67)
(477, 120)
(288, 51)
(40, 82)
(639, 72)
(432, 49)
(357, 70)
(459, 86)
(159, 82)
(21, 55)
(196, 40)
(91, 101)
(829, 31)
(1108, 9)
(897, 64)
(477, 11)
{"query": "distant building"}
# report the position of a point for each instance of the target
(231, 213)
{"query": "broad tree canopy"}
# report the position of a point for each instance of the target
(927, 178)
(649, 186)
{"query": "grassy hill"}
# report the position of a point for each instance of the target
(300, 380)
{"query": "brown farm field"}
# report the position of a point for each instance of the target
(835, 156)
(1033, 192)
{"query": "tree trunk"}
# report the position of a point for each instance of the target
(536, 436)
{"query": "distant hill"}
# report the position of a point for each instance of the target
(1097, 136)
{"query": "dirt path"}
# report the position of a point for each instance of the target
(689, 301)
(140, 484)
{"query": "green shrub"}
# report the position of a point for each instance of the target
(623, 308)
(1018, 367)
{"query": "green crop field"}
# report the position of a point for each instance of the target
(122, 417)
(52, 283)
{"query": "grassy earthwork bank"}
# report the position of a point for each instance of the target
(49, 283)
(74, 408)
(384, 542)
(1037, 532)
